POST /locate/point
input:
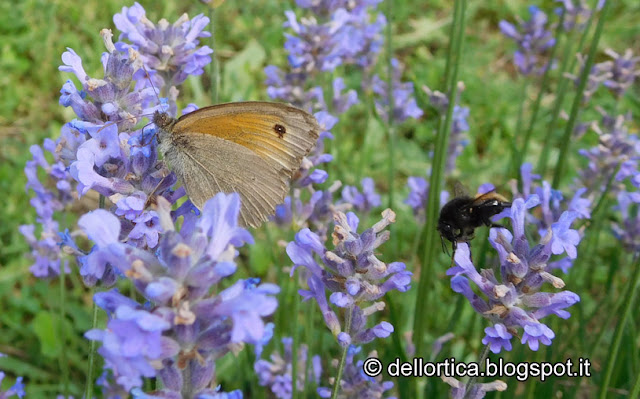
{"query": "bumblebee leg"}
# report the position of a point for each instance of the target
(445, 249)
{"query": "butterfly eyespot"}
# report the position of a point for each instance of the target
(280, 130)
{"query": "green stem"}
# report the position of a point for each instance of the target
(612, 353)
(214, 68)
(391, 137)
(516, 155)
(635, 390)
(536, 104)
(472, 380)
(548, 140)
(577, 101)
(343, 357)
(435, 180)
(603, 196)
(94, 324)
(92, 354)
(308, 339)
(294, 349)
(63, 337)
(562, 89)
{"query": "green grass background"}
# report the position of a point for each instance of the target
(249, 35)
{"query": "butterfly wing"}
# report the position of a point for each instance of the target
(250, 148)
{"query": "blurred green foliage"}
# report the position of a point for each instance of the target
(248, 36)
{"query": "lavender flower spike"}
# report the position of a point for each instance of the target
(194, 321)
(354, 383)
(514, 299)
(351, 272)
(170, 49)
(533, 40)
(276, 374)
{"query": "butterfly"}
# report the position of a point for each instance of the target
(252, 148)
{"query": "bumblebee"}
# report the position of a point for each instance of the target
(463, 214)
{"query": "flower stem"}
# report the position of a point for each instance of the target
(92, 353)
(536, 105)
(308, 339)
(437, 175)
(612, 354)
(472, 380)
(94, 324)
(343, 357)
(391, 137)
(63, 337)
(577, 101)
(294, 350)
(214, 68)
(568, 54)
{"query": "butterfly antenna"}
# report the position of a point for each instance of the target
(116, 122)
(148, 75)
(153, 193)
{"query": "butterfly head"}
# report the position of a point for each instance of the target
(162, 120)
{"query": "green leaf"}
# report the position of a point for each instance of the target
(239, 73)
(46, 328)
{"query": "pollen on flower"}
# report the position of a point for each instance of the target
(557, 282)
(500, 290)
(182, 250)
(499, 310)
(513, 258)
(184, 315)
(138, 271)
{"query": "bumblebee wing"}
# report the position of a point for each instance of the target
(459, 190)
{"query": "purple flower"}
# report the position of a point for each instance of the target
(110, 98)
(556, 212)
(624, 71)
(513, 299)
(627, 230)
(615, 156)
(351, 272)
(598, 74)
(564, 238)
(132, 342)
(100, 158)
(533, 39)
(104, 229)
(51, 197)
(169, 49)
(497, 337)
(331, 35)
(404, 103)
(110, 388)
(535, 334)
(188, 315)
(577, 15)
(355, 383)
(16, 389)
(347, 36)
(418, 194)
(276, 374)
(459, 125)
(476, 391)
(365, 201)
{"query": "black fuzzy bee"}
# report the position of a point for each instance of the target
(460, 216)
